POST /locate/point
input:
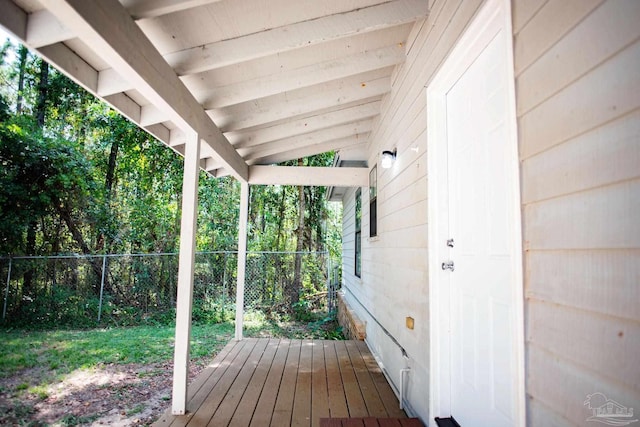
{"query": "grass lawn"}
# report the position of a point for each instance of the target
(75, 377)
(65, 351)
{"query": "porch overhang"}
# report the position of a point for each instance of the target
(257, 88)
(231, 88)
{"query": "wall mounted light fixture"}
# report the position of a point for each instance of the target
(388, 158)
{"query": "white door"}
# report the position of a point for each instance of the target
(478, 231)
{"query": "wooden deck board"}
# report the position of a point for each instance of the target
(374, 404)
(261, 382)
(264, 408)
(370, 422)
(319, 391)
(384, 390)
(302, 402)
(337, 398)
(228, 406)
(205, 412)
(245, 409)
(284, 402)
(355, 401)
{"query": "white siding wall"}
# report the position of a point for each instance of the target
(348, 236)
(577, 69)
(394, 265)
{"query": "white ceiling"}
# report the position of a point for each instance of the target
(261, 81)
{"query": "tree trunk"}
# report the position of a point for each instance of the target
(294, 291)
(111, 169)
(43, 87)
(40, 115)
(22, 54)
(30, 249)
(109, 180)
(96, 263)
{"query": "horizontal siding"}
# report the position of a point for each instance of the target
(602, 95)
(601, 218)
(540, 415)
(563, 387)
(573, 334)
(578, 103)
(609, 29)
(579, 279)
(555, 19)
(523, 11)
(606, 155)
(394, 282)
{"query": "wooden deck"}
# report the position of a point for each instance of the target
(279, 382)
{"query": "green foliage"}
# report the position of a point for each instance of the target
(327, 328)
(75, 420)
(40, 176)
(89, 181)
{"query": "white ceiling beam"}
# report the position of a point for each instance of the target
(64, 58)
(110, 82)
(252, 137)
(160, 131)
(140, 9)
(282, 39)
(109, 29)
(13, 19)
(43, 29)
(82, 73)
(126, 106)
(308, 176)
(311, 150)
(302, 101)
(297, 58)
(314, 138)
(264, 76)
(150, 114)
(340, 68)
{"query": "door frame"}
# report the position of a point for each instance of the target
(493, 16)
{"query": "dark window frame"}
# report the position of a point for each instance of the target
(373, 201)
(358, 233)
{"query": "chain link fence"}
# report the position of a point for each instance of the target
(125, 289)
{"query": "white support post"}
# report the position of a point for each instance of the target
(242, 256)
(185, 273)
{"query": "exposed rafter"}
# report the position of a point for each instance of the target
(307, 78)
(108, 27)
(140, 9)
(305, 125)
(310, 75)
(284, 62)
(299, 175)
(314, 138)
(311, 150)
(288, 105)
(282, 39)
(43, 28)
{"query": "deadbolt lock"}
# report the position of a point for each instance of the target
(448, 265)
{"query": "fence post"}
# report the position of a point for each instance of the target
(224, 285)
(329, 287)
(104, 269)
(6, 291)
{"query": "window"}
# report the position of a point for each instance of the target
(358, 232)
(373, 199)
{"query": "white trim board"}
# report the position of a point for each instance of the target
(493, 16)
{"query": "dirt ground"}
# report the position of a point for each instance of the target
(113, 395)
